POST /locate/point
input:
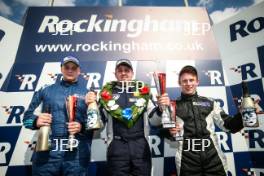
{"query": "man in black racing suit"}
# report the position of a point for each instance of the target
(128, 113)
(199, 154)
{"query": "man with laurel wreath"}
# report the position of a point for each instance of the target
(127, 107)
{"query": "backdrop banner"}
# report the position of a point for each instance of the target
(154, 39)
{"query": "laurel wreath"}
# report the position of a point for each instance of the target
(129, 115)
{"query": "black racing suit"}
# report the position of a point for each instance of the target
(128, 152)
(199, 154)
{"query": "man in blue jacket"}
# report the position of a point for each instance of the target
(59, 160)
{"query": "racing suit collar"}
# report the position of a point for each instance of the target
(189, 97)
(119, 85)
(67, 83)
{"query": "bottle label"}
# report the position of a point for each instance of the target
(92, 118)
(249, 117)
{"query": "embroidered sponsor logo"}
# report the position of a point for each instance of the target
(205, 104)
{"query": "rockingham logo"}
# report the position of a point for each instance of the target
(20, 77)
(85, 76)
(5, 147)
(256, 138)
(27, 81)
(53, 76)
(7, 109)
(31, 145)
(246, 70)
(236, 69)
(245, 134)
(243, 28)
(92, 79)
(215, 76)
(133, 27)
(13, 113)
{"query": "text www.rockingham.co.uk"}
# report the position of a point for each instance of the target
(125, 47)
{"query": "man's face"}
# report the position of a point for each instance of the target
(70, 72)
(124, 73)
(188, 83)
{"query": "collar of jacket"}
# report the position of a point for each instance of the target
(67, 84)
(189, 97)
(120, 86)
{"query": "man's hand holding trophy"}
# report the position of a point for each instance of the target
(73, 127)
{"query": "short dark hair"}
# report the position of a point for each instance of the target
(188, 69)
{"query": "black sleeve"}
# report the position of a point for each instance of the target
(234, 124)
(226, 122)
(165, 133)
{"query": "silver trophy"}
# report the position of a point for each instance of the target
(160, 83)
(71, 103)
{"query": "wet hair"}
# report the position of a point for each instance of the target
(188, 69)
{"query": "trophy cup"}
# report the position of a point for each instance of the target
(71, 103)
(178, 136)
(160, 83)
(43, 142)
(94, 121)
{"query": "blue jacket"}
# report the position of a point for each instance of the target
(53, 99)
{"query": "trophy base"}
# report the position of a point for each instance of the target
(169, 125)
(72, 143)
(178, 138)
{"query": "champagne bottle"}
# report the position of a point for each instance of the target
(43, 142)
(249, 115)
(93, 118)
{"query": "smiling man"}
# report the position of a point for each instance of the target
(59, 160)
(127, 107)
(198, 153)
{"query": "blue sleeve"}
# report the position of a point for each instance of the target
(81, 114)
(29, 120)
(81, 111)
